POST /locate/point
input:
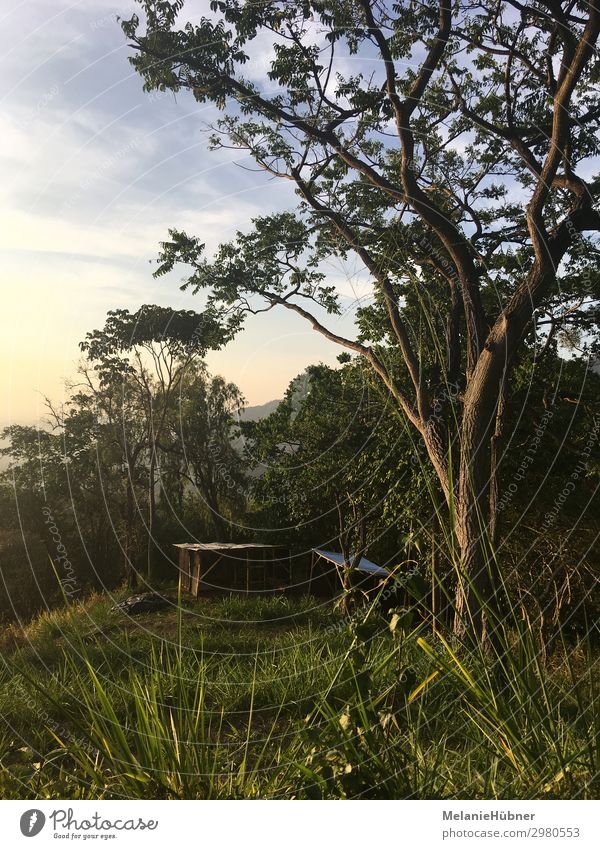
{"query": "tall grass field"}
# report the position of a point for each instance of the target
(286, 699)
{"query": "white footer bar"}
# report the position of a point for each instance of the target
(301, 825)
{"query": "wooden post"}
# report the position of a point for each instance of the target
(182, 571)
(196, 575)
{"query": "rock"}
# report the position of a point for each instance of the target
(143, 603)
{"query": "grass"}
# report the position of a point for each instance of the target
(280, 698)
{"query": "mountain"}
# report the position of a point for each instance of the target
(261, 411)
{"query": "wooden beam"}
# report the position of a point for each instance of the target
(183, 585)
(207, 559)
(195, 588)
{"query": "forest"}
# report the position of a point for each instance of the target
(450, 152)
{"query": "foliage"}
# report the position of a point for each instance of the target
(336, 437)
(202, 450)
(144, 433)
(336, 434)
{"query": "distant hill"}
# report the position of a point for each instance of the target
(253, 414)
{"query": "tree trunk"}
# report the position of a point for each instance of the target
(496, 454)
(476, 579)
(130, 573)
(218, 524)
(151, 563)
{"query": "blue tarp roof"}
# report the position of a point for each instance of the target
(364, 565)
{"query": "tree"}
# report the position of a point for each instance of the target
(65, 492)
(89, 481)
(331, 465)
(201, 442)
(111, 418)
(454, 163)
(149, 352)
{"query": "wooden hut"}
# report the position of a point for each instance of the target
(226, 567)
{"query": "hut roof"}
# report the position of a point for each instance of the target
(222, 546)
(364, 565)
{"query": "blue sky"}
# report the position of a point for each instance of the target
(93, 173)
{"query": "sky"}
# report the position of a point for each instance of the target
(93, 172)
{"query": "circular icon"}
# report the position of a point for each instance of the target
(32, 822)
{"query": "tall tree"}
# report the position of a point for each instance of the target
(453, 159)
(150, 351)
(110, 417)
